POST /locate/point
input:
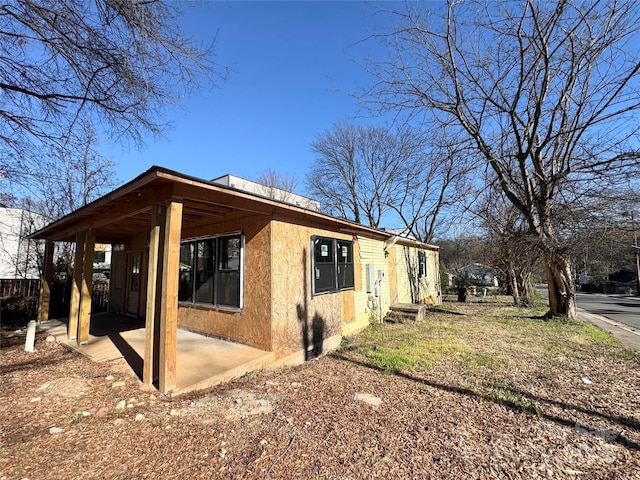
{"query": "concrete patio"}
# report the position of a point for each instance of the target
(201, 361)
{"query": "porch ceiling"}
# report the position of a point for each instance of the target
(127, 210)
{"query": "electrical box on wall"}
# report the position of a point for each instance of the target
(371, 277)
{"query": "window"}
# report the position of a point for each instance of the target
(211, 271)
(422, 263)
(332, 264)
(344, 253)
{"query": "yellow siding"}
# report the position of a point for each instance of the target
(368, 306)
(427, 290)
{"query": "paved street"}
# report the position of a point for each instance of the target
(625, 310)
(620, 316)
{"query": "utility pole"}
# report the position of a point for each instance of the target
(637, 249)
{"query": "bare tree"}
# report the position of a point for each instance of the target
(435, 188)
(510, 249)
(363, 173)
(69, 178)
(545, 92)
(334, 177)
(279, 186)
(65, 63)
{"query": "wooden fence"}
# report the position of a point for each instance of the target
(19, 299)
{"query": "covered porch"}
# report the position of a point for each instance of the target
(201, 361)
(151, 215)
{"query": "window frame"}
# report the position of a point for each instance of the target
(217, 269)
(336, 284)
(422, 263)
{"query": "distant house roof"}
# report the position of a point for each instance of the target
(623, 276)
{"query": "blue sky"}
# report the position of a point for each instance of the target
(292, 67)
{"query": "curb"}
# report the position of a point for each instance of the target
(627, 335)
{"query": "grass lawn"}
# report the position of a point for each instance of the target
(490, 348)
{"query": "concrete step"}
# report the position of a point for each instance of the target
(409, 311)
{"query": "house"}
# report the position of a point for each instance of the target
(19, 256)
(194, 254)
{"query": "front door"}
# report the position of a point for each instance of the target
(134, 277)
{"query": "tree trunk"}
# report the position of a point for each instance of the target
(562, 292)
(512, 285)
(523, 282)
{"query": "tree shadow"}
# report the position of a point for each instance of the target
(28, 365)
(111, 326)
(312, 332)
(514, 406)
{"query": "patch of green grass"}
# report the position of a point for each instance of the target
(398, 347)
(483, 338)
(76, 417)
(506, 396)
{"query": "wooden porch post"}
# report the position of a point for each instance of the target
(45, 283)
(87, 285)
(152, 324)
(74, 307)
(169, 302)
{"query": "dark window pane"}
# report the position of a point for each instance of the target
(185, 289)
(205, 271)
(422, 263)
(323, 250)
(344, 251)
(324, 277)
(229, 253)
(228, 288)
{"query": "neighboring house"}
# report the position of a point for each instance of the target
(213, 259)
(101, 261)
(19, 256)
(481, 275)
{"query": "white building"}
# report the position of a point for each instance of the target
(19, 257)
(268, 192)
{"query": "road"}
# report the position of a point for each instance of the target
(625, 310)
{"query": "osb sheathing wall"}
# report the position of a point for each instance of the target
(300, 320)
(251, 325)
(427, 284)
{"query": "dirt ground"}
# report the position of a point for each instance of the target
(337, 417)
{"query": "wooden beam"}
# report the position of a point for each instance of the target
(76, 285)
(85, 294)
(45, 284)
(119, 210)
(152, 321)
(169, 303)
